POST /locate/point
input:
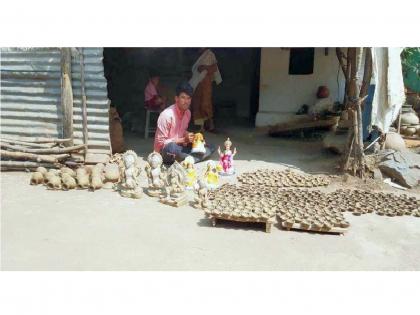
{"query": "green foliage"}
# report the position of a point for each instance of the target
(410, 59)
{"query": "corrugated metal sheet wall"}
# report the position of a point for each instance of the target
(97, 101)
(31, 96)
(31, 92)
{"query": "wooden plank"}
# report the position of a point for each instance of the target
(268, 222)
(412, 142)
(66, 94)
(296, 226)
(304, 123)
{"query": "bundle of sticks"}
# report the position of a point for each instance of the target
(30, 153)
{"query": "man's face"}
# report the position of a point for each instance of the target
(183, 101)
(155, 80)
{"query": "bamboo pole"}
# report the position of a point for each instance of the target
(28, 156)
(67, 95)
(83, 93)
(24, 165)
(40, 140)
(399, 120)
(44, 151)
(29, 144)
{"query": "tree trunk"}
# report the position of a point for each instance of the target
(344, 68)
(367, 75)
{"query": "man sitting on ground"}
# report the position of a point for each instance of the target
(172, 139)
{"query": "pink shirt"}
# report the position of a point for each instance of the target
(172, 124)
(150, 91)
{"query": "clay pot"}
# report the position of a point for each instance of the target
(81, 171)
(65, 176)
(99, 166)
(410, 131)
(54, 182)
(97, 171)
(323, 92)
(409, 118)
(83, 181)
(37, 178)
(403, 128)
(96, 183)
(49, 175)
(66, 170)
(69, 182)
(42, 170)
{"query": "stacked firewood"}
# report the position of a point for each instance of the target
(31, 153)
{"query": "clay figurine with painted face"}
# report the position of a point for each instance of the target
(226, 158)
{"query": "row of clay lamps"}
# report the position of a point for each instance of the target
(287, 178)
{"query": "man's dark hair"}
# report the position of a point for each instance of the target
(184, 87)
(153, 73)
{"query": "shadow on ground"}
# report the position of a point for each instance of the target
(306, 155)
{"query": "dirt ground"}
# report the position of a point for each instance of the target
(82, 230)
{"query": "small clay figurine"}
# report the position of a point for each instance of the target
(175, 186)
(226, 158)
(198, 144)
(155, 174)
(202, 199)
(188, 164)
(211, 175)
(130, 184)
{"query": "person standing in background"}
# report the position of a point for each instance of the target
(204, 72)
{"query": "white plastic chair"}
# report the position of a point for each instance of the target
(147, 128)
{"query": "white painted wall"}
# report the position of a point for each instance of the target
(281, 94)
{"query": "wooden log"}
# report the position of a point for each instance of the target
(29, 144)
(40, 140)
(61, 157)
(83, 93)
(25, 165)
(44, 151)
(28, 156)
(67, 94)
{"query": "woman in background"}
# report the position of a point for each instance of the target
(204, 72)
